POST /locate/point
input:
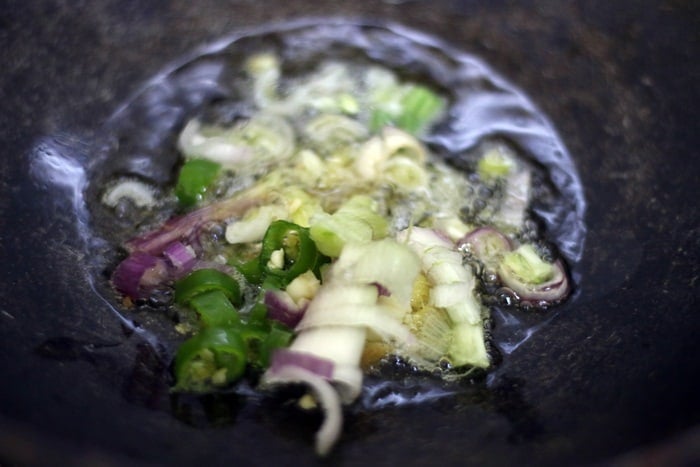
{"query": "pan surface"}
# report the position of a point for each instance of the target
(616, 370)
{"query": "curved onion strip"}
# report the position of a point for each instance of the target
(347, 379)
(486, 244)
(136, 271)
(281, 358)
(324, 393)
(373, 317)
(187, 226)
(182, 257)
(281, 307)
(140, 193)
(552, 291)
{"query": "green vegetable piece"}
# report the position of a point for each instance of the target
(288, 251)
(278, 337)
(332, 232)
(251, 270)
(420, 106)
(212, 359)
(365, 208)
(356, 221)
(254, 335)
(494, 164)
(215, 309)
(379, 119)
(525, 264)
(206, 280)
(258, 312)
(196, 176)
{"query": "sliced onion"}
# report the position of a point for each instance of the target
(186, 227)
(382, 290)
(420, 238)
(138, 271)
(182, 257)
(281, 307)
(324, 393)
(486, 244)
(281, 358)
(374, 317)
(140, 193)
(547, 293)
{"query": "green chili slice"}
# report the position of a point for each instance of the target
(196, 176)
(213, 358)
(287, 252)
(215, 309)
(278, 337)
(206, 280)
(251, 270)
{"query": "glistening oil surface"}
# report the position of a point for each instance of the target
(139, 141)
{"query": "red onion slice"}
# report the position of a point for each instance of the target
(283, 358)
(180, 256)
(282, 308)
(547, 293)
(486, 244)
(138, 272)
(187, 226)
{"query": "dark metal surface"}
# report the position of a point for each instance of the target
(616, 371)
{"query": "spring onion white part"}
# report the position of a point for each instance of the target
(139, 193)
(319, 235)
(325, 395)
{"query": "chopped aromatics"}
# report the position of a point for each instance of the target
(318, 234)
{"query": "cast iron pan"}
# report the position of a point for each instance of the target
(611, 378)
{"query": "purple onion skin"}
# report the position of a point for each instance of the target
(129, 274)
(187, 227)
(285, 357)
(544, 295)
(478, 238)
(179, 256)
(282, 308)
(382, 290)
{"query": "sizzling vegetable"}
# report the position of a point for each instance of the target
(338, 232)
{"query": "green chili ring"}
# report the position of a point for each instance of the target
(300, 252)
(206, 280)
(211, 359)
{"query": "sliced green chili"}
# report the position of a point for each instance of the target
(254, 336)
(206, 280)
(196, 176)
(215, 309)
(288, 251)
(279, 336)
(213, 358)
(251, 270)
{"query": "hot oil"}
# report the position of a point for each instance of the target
(139, 141)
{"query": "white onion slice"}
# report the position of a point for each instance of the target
(324, 393)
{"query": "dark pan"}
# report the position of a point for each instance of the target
(614, 376)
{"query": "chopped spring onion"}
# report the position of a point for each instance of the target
(344, 234)
(495, 164)
(139, 193)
